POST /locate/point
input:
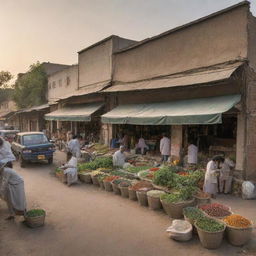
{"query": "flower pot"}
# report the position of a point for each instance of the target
(116, 189)
(142, 198)
(210, 240)
(175, 210)
(132, 194)
(238, 236)
(85, 177)
(124, 191)
(102, 186)
(95, 181)
(108, 186)
(34, 222)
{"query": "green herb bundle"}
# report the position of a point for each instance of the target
(35, 213)
(193, 213)
(209, 225)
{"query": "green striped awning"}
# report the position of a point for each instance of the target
(193, 111)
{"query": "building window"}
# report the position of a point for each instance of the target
(60, 83)
(68, 81)
(53, 84)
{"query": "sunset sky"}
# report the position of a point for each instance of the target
(54, 30)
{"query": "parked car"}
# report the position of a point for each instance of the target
(32, 147)
(8, 135)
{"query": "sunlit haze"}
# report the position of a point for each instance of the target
(54, 30)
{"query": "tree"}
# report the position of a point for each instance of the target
(5, 77)
(30, 88)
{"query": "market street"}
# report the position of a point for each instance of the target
(84, 220)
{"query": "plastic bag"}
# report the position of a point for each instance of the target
(180, 230)
(248, 190)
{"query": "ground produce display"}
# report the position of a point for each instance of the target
(209, 225)
(35, 213)
(237, 221)
(136, 169)
(118, 181)
(101, 162)
(201, 194)
(216, 210)
(111, 178)
(193, 213)
(58, 170)
(125, 183)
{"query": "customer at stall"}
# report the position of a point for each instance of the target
(210, 180)
(74, 147)
(192, 154)
(119, 157)
(225, 178)
(6, 155)
(12, 191)
(141, 147)
(70, 170)
(165, 145)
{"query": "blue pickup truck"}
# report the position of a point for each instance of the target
(32, 147)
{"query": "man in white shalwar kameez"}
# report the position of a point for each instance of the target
(210, 180)
(165, 147)
(119, 157)
(70, 170)
(192, 155)
(74, 147)
(141, 147)
(6, 155)
(12, 191)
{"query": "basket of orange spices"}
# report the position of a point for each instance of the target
(239, 229)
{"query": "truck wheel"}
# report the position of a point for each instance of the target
(50, 160)
(22, 161)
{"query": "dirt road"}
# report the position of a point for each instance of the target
(84, 220)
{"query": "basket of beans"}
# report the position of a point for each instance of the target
(216, 210)
(210, 232)
(202, 197)
(239, 229)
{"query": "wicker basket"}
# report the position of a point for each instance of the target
(95, 181)
(85, 177)
(210, 240)
(102, 186)
(132, 194)
(154, 203)
(116, 189)
(61, 176)
(108, 186)
(34, 222)
(124, 191)
(201, 201)
(238, 236)
(175, 210)
(142, 198)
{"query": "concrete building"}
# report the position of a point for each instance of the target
(7, 107)
(203, 75)
(79, 110)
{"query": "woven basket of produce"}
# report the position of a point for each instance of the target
(35, 218)
(154, 202)
(216, 210)
(202, 198)
(210, 232)
(85, 177)
(108, 182)
(192, 214)
(115, 185)
(123, 186)
(239, 229)
(132, 194)
(142, 196)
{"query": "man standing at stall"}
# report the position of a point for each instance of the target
(165, 145)
(6, 155)
(192, 155)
